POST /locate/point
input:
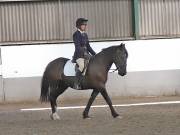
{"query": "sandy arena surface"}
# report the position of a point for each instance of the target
(137, 120)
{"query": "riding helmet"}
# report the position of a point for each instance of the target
(81, 21)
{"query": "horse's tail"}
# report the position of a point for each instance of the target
(44, 88)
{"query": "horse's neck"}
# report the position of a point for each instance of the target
(106, 60)
(108, 63)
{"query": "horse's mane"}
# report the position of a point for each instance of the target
(108, 48)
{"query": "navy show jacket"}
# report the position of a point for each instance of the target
(82, 45)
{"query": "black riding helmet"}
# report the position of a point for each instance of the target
(81, 21)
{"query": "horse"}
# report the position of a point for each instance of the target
(54, 82)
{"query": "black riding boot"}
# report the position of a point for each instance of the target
(77, 83)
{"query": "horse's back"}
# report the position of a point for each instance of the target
(59, 61)
(55, 68)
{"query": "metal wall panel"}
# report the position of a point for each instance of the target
(159, 18)
(172, 16)
(29, 21)
(107, 19)
(55, 20)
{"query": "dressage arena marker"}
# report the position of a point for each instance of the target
(103, 106)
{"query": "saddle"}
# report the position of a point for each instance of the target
(71, 67)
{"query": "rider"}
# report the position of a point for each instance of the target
(82, 49)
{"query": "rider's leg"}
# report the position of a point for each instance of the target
(80, 63)
(79, 71)
(86, 61)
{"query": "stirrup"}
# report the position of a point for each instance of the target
(77, 83)
(77, 86)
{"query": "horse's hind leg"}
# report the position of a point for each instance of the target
(93, 96)
(55, 92)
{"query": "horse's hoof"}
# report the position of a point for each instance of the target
(116, 116)
(54, 116)
(86, 117)
(119, 117)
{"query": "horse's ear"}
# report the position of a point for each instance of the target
(122, 45)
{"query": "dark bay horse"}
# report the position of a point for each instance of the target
(54, 82)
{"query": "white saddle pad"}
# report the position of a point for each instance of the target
(69, 68)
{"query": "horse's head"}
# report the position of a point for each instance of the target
(120, 59)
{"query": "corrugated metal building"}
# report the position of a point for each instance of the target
(55, 20)
(36, 21)
(159, 18)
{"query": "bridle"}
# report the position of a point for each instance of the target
(114, 70)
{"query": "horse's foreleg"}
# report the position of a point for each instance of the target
(108, 100)
(92, 98)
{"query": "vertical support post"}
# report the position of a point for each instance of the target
(135, 15)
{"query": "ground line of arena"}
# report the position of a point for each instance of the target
(102, 106)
